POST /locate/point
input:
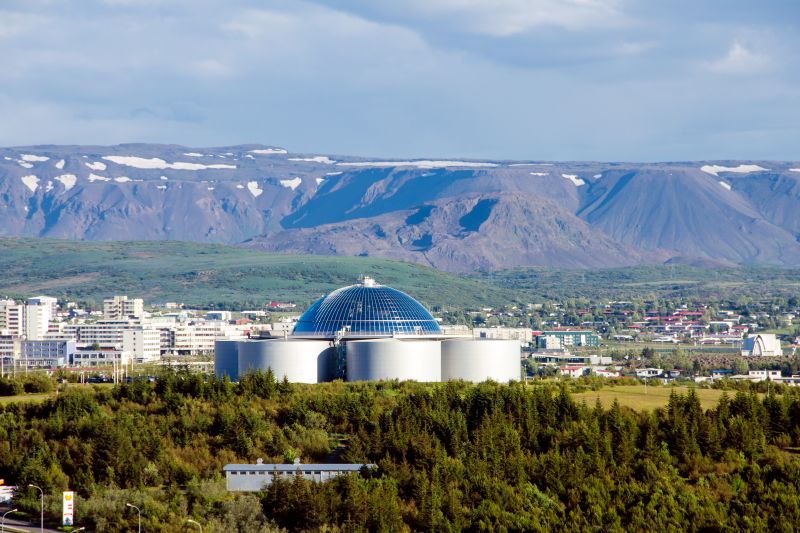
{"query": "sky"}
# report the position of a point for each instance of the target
(609, 80)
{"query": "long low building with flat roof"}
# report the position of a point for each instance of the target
(256, 477)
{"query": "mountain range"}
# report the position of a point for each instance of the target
(454, 215)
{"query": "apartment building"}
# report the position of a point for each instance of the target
(120, 307)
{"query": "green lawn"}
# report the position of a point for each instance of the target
(639, 397)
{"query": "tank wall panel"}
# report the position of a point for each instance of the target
(298, 361)
(226, 359)
(394, 359)
(478, 360)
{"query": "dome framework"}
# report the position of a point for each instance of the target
(366, 310)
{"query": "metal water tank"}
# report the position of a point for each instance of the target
(226, 359)
(477, 360)
(377, 359)
(300, 361)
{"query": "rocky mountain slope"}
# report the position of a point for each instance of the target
(454, 215)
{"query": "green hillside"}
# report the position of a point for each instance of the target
(214, 275)
(660, 281)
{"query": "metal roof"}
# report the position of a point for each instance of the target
(366, 309)
(274, 467)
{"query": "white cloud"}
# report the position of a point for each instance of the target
(740, 59)
(503, 18)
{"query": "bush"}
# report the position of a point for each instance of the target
(10, 387)
(38, 383)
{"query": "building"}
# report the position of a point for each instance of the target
(120, 307)
(565, 339)
(762, 345)
(12, 318)
(39, 313)
(139, 340)
(93, 356)
(574, 371)
(523, 335)
(46, 353)
(368, 332)
(649, 372)
(254, 478)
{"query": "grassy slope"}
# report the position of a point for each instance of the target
(646, 281)
(203, 275)
(638, 398)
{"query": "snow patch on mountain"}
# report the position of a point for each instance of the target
(252, 186)
(192, 154)
(794, 170)
(292, 183)
(316, 159)
(49, 186)
(725, 185)
(95, 177)
(320, 180)
(417, 164)
(333, 173)
(269, 151)
(597, 176)
(574, 179)
(539, 174)
(60, 164)
(31, 182)
(34, 158)
(714, 170)
(68, 180)
(122, 179)
(97, 165)
(25, 164)
(162, 187)
(160, 164)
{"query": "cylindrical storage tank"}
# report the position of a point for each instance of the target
(477, 360)
(300, 361)
(226, 359)
(372, 360)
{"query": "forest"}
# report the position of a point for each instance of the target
(449, 457)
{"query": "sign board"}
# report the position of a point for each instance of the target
(69, 508)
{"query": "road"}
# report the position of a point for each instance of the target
(22, 525)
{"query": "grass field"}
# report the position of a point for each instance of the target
(639, 397)
(34, 398)
(204, 275)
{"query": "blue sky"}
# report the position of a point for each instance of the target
(605, 80)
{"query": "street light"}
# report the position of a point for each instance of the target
(140, 515)
(41, 523)
(3, 521)
(195, 523)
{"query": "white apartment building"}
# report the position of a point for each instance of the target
(37, 319)
(523, 335)
(141, 341)
(120, 307)
(198, 337)
(12, 318)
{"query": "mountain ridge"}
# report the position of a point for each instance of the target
(457, 215)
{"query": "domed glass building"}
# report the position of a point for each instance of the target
(366, 310)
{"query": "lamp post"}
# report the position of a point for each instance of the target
(195, 523)
(41, 523)
(140, 515)
(3, 521)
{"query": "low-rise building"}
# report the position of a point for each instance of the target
(762, 345)
(255, 477)
(46, 353)
(565, 339)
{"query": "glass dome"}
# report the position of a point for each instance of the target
(364, 310)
